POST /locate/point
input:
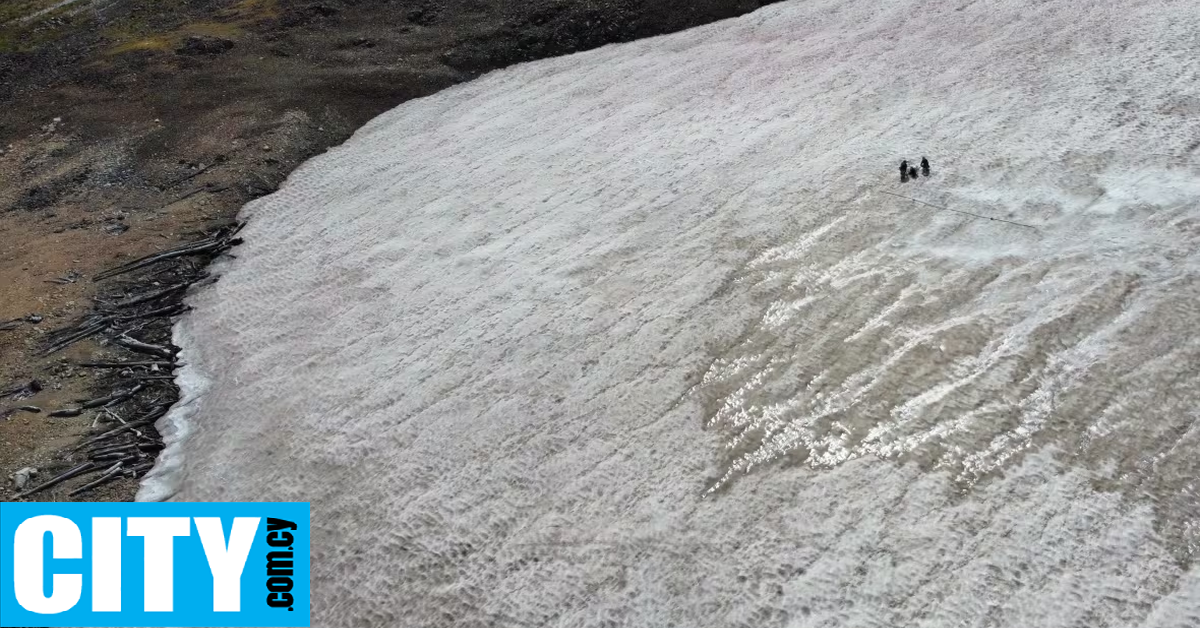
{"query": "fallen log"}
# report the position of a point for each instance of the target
(72, 338)
(153, 415)
(121, 365)
(22, 392)
(201, 247)
(166, 311)
(187, 195)
(151, 296)
(141, 347)
(109, 400)
(188, 177)
(109, 475)
(138, 446)
(223, 238)
(79, 470)
(117, 430)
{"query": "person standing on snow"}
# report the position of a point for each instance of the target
(904, 171)
(924, 166)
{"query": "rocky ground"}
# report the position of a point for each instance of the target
(131, 127)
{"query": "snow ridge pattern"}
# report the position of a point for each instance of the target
(643, 336)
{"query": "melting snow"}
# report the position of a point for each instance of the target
(636, 337)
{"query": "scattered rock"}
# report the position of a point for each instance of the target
(357, 42)
(34, 318)
(50, 192)
(36, 198)
(322, 10)
(24, 392)
(72, 275)
(204, 45)
(21, 478)
(422, 16)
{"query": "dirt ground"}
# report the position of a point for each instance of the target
(130, 126)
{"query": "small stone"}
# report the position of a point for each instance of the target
(21, 478)
(203, 45)
(34, 318)
(266, 147)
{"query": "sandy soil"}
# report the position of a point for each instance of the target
(129, 126)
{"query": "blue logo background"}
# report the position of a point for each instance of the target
(193, 590)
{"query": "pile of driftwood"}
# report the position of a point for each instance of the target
(136, 318)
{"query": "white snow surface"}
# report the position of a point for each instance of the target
(639, 337)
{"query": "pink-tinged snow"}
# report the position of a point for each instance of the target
(637, 336)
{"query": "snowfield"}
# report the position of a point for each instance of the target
(641, 336)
